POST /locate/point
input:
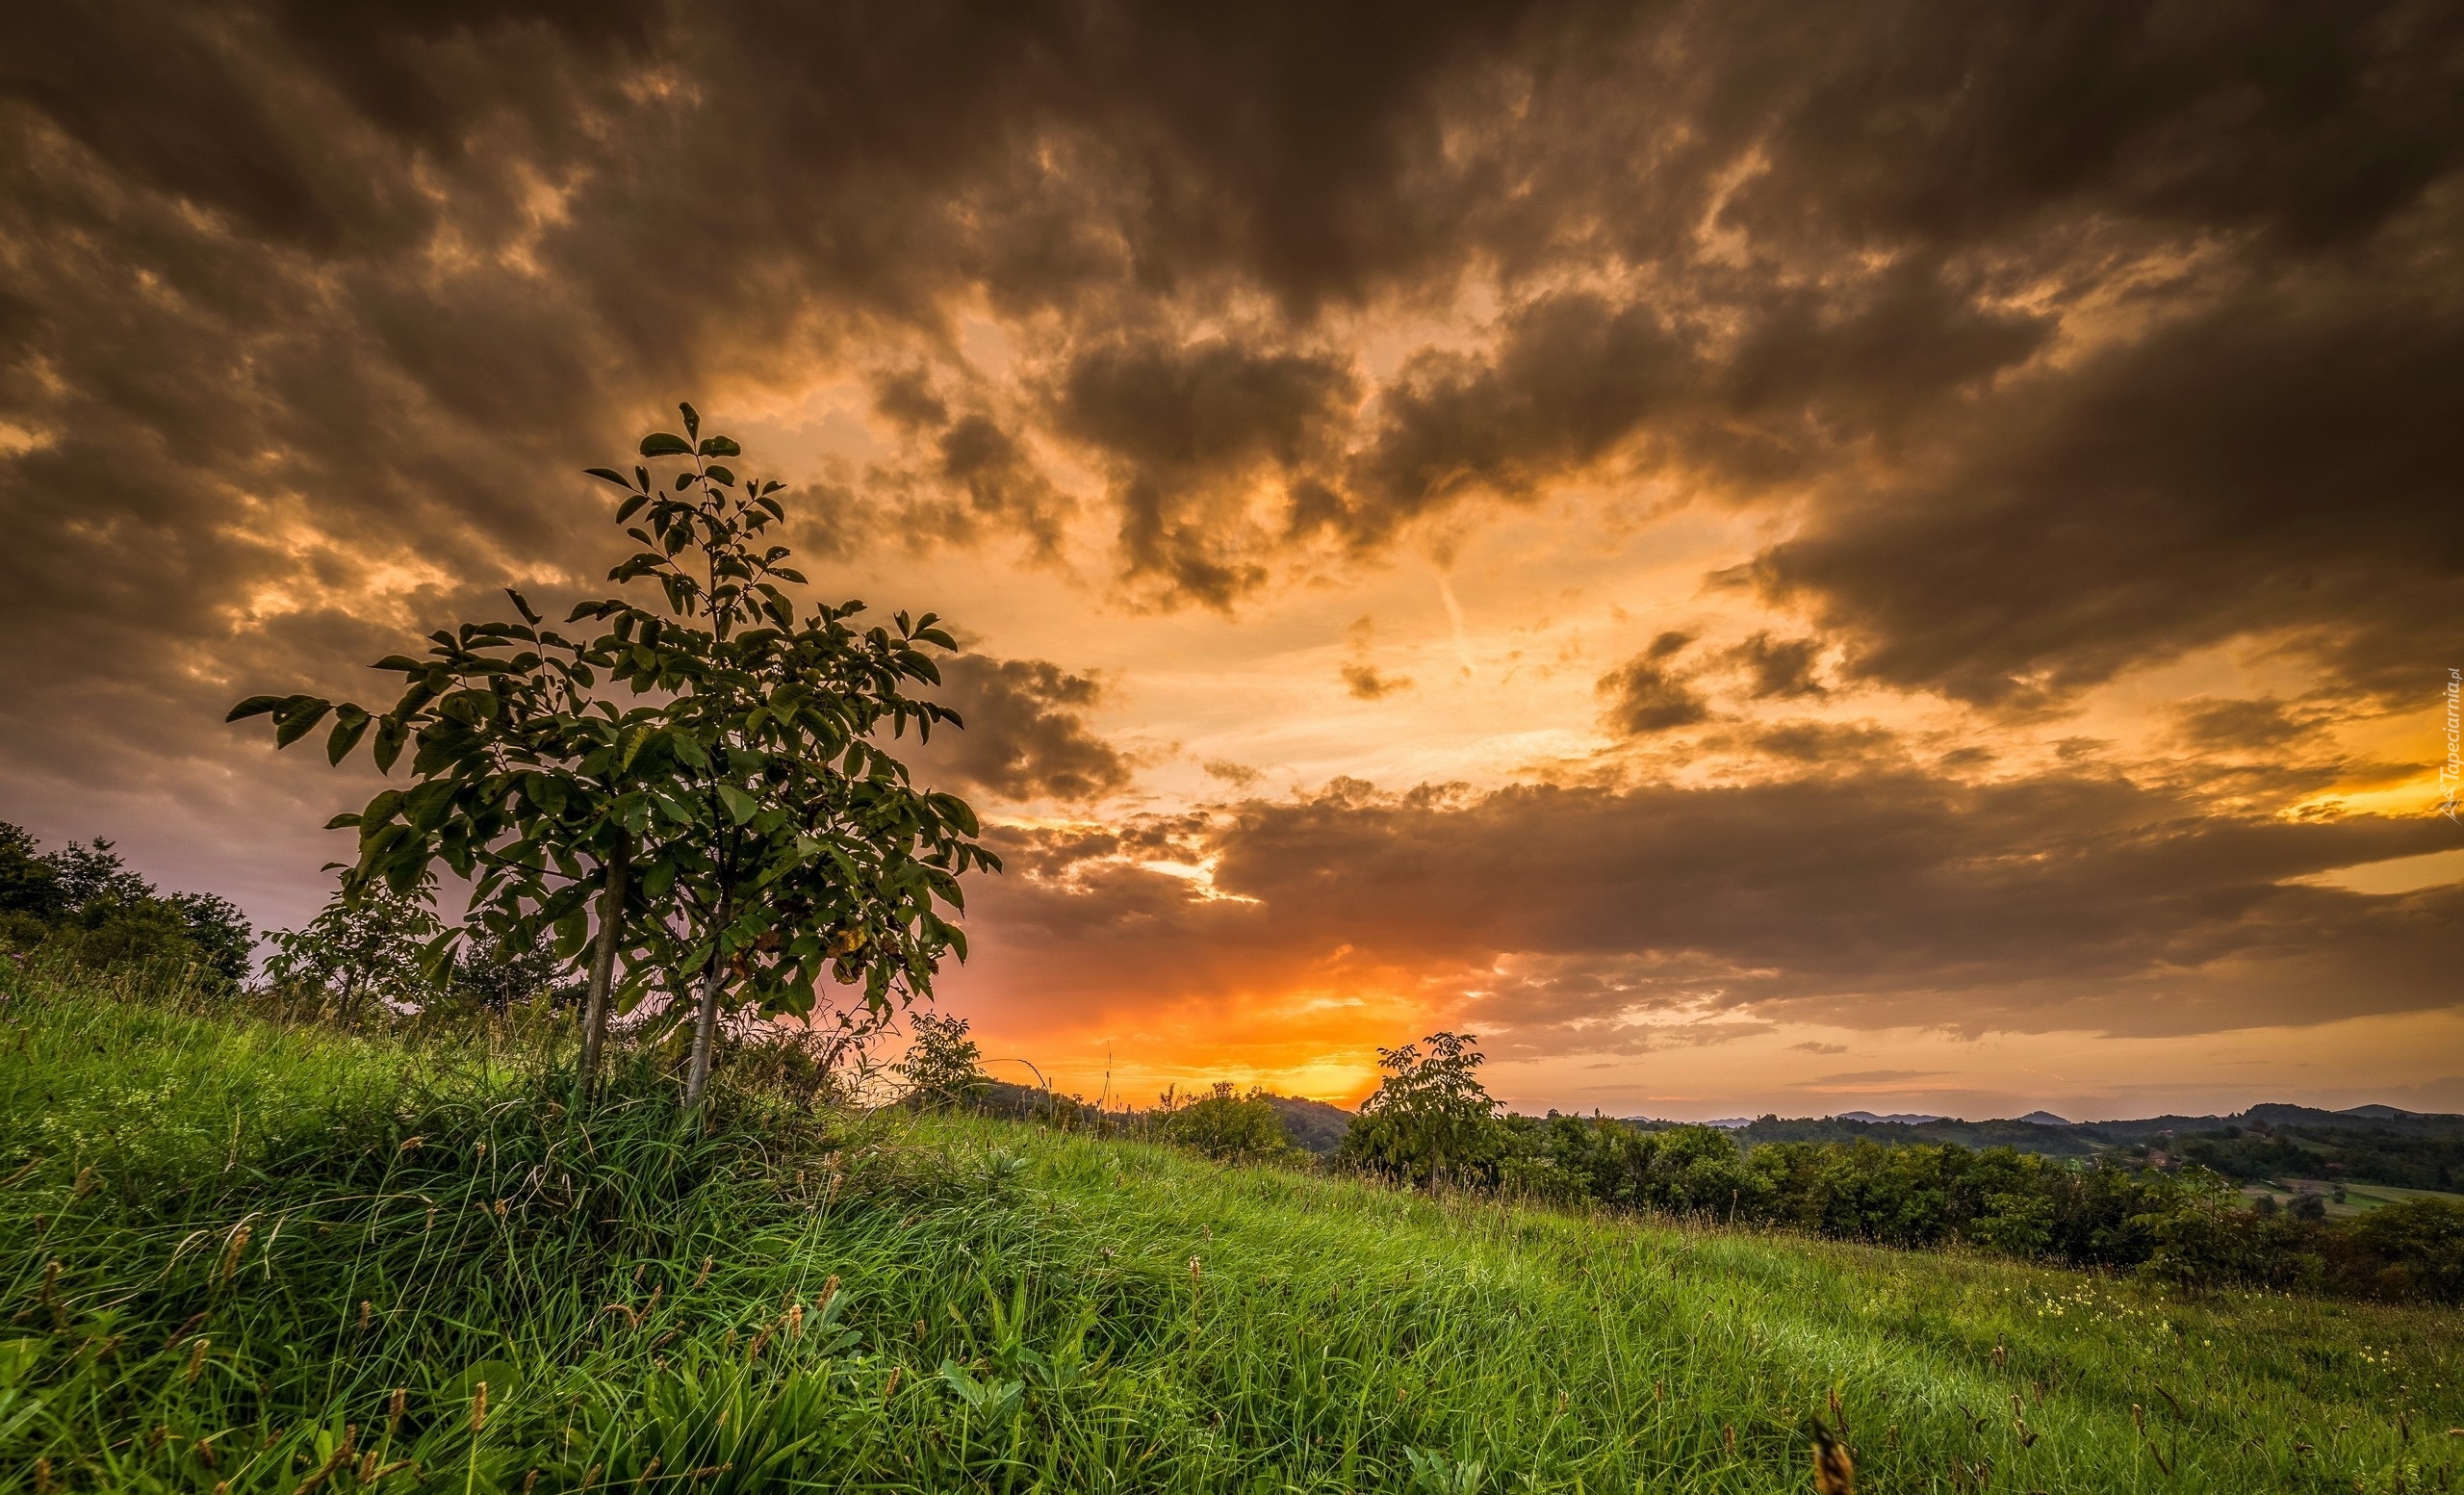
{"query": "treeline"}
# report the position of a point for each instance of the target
(1431, 1121)
(2406, 1159)
(1431, 1124)
(2186, 1226)
(83, 901)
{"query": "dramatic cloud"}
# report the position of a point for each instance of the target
(1565, 919)
(1649, 692)
(1956, 506)
(1026, 735)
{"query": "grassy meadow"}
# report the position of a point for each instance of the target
(244, 1254)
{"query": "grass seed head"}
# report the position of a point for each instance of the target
(480, 1407)
(196, 1359)
(1834, 1473)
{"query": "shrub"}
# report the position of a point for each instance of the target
(942, 1067)
(1226, 1126)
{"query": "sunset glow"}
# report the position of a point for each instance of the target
(1754, 566)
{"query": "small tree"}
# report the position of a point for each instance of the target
(942, 1067)
(362, 951)
(742, 827)
(1431, 1118)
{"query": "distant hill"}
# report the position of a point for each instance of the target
(1312, 1126)
(2375, 1144)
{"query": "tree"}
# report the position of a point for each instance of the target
(943, 1067)
(798, 847)
(1431, 1117)
(363, 950)
(738, 828)
(85, 898)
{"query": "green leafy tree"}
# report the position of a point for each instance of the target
(361, 951)
(1431, 1119)
(794, 846)
(84, 899)
(737, 824)
(943, 1067)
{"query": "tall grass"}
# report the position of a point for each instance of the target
(256, 1255)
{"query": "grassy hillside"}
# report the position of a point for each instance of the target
(243, 1255)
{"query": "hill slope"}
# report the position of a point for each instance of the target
(254, 1252)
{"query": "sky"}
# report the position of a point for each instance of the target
(1758, 557)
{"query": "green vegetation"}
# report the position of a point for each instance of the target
(2409, 1158)
(247, 1252)
(2371, 1145)
(83, 902)
(710, 775)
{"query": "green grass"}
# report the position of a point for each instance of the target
(1016, 1309)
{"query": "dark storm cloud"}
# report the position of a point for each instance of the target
(1026, 735)
(1778, 668)
(1650, 693)
(2083, 336)
(1186, 428)
(1872, 899)
(2285, 461)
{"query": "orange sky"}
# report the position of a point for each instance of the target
(1753, 564)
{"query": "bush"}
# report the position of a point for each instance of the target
(1226, 1126)
(942, 1067)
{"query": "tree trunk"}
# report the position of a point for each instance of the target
(603, 965)
(706, 1024)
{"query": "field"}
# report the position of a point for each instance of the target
(2359, 1197)
(242, 1254)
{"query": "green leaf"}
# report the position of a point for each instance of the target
(720, 446)
(659, 443)
(349, 725)
(740, 805)
(630, 506)
(610, 475)
(254, 706)
(692, 420)
(527, 616)
(297, 715)
(346, 817)
(390, 734)
(724, 477)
